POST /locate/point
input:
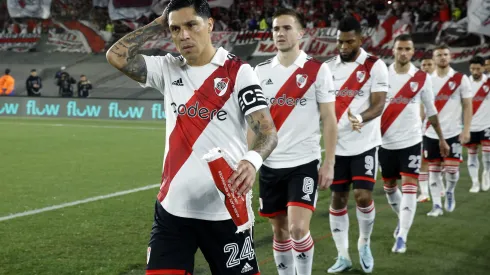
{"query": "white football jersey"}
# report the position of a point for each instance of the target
(451, 114)
(206, 108)
(481, 104)
(293, 94)
(401, 125)
(354, 82)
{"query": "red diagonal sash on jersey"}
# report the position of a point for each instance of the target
(401, 100)
(343, 101)
(480, 96)
(188, 129)
(291, 89)
(445, 93)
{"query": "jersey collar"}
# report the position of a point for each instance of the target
(360, 59)
(300, 60)
(411, 71)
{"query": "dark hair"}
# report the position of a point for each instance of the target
(82, 75)
(441, 47)
(200, 6)
(404, 37)
(477, 60)
(7, 71)
(284, 11)
(488, 58)
(348, 24)
(33, 70)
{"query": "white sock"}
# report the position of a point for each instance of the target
(303, 254)
(486, 158)
(365, 217)
(424, 183)
(435, 181)
(408, 208)
(473, 165)
(283, 256)
(452, 177)
(394, 196)
(339, 226)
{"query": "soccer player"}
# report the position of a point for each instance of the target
(480, 126)
(401, 129)
(427, 65)
(361, 83)
(453, 102)
(210, 96)
(299, 92)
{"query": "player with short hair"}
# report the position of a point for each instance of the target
(210, 96)
(401, 129)
(453, 102)
(480, 126)
(427, 65)
(298, 89)
(361, 83)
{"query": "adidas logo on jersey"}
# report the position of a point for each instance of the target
(306, 197)
(281, 266)
(247, 268)
(269, 82)
(178, 82)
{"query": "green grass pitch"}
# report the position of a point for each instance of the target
(45, 162)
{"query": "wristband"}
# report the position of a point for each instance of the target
(254, 158)
(359, 118)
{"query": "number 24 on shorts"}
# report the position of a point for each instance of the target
(247, 252)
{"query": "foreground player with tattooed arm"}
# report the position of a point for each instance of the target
(210, 96)
(298, 89)
(361, 83)
(401, 129)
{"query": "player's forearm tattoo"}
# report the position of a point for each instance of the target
(127, 49)
(265, 131)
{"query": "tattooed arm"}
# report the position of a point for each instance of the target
(123, 55)
(263, 140)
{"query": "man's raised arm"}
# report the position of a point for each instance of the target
(123, 55)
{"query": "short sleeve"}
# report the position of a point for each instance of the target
(379, 74)
(325, 90)
(427, 97)
(465, 88)
(249, 93)
(155, 66)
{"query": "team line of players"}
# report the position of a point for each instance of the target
(370, 116)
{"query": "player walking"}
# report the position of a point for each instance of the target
(361, 83)
(453, 102)
(299, 90)
(210, 96)
(401, 129)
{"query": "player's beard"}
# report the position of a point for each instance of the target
(476, 77)
(350, 57)
(443, 66)
(403, 63)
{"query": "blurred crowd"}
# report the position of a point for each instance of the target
(257, 14)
